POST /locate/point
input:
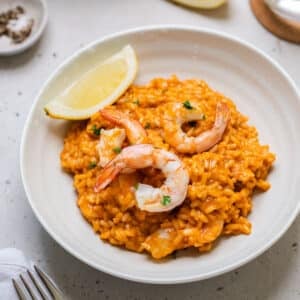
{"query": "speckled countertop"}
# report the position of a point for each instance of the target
(74, 23)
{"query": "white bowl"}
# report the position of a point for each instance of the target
(36, 9)
(261, 90)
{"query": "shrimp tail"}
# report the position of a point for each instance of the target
(222, 116)
(134, 130)
(106, 176)
(113, 116)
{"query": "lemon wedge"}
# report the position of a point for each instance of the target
(97, 88)
(205, 4)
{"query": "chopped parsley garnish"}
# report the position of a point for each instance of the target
(187, 104)
(137, 102)
(96, 130)
(92, 165)
(117, 150)
(148, 125)
(166, 200)
(136, 185)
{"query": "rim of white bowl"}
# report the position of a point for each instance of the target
(115, 272)
(32, 39)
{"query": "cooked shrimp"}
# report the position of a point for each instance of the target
(110, 143)
(164, 241)
(173, 191)
(111, 140)
(135, 132)
(204, 141)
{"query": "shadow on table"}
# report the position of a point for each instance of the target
(262, 278)
(19, 60)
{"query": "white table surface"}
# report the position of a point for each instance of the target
(72, 24)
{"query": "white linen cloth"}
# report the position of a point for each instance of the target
(12, 263)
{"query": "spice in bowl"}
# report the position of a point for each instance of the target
(15, 24)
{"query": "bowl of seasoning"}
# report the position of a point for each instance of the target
(22, 23)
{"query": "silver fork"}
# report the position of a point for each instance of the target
(34, 284)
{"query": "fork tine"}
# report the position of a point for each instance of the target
(33, 291)
(21, 290)
(46, 294)
(53, 288)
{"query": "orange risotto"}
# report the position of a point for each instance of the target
(222, 180)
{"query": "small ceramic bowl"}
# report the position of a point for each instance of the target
(289, 9)
(35, 9)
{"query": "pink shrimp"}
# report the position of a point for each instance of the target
(173, 191)
(205, 140)
(135, 132)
